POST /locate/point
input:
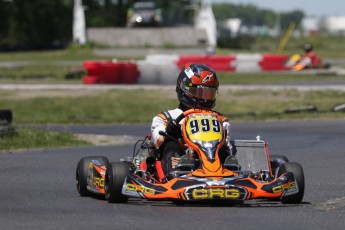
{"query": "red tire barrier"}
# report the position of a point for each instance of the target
(271, 62)
(200, 59)
(130, 73)
(87, 80)
(222, 63)
(216, 62)
(110, 73)
(92, 67)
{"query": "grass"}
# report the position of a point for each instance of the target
(42, 74)
(55, 74)
(27, 138)
(139, 106)
(276, 78)
(73, 53)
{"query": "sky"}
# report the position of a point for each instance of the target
(318, 8)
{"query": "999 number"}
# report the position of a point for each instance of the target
(204, 126)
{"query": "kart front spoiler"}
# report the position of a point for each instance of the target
(189, 188)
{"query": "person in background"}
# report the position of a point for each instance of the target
(310, 57)
(308, 60)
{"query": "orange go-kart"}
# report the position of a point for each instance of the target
(250, 173)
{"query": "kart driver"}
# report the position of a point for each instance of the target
(308, 60)
(310, 57)
(197, 87)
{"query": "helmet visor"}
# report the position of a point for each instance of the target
(205, 93)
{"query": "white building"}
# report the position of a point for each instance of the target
(334, 25)
(330, 25)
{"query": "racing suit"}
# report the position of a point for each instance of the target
(170, 149)
(311, 59)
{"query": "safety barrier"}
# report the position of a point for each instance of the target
(158, 69)
(273, 62)
(164, 68)
(247, 63)
(109, 72)
(216, 62)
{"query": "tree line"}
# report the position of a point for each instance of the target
(254, 16)
(42, 24)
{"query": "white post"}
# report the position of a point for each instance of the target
(79, 29)
(205, 20)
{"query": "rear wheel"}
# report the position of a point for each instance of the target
(83, 171)
(297, 171)
(114, 180)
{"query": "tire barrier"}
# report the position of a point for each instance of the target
(109, 72)
(247, 63)
(216, 62)
(186, 59)
(87, 80)
(222, 63)
(158, 69)
(164, 68)
(92, 67)
(273, 62)
(238, 62)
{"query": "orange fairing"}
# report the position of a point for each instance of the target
(298, 67)
(191, 188)
(203, 131)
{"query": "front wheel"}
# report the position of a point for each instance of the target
(276, 161)
(82, 173)
(114, 180)
(298, 173)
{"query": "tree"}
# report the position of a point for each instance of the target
(294, 16)
(40, 24)
(253, 16)
(4, 21)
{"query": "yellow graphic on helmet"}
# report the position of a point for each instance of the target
(204, 127)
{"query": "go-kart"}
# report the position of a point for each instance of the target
(298, 63)
(249, 173)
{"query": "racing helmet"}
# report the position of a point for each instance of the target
(197, 86)
(308, 48)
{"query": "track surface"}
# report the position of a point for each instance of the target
(38, 187)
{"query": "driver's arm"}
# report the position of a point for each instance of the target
(158, 124)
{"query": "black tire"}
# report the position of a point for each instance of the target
(6, 115)
(279, 158)
(114, 179)
(297, 170)
(276, 161)
(83, 170)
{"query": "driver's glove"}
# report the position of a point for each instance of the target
(174, 129)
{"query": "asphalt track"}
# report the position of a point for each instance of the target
(38, 186)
